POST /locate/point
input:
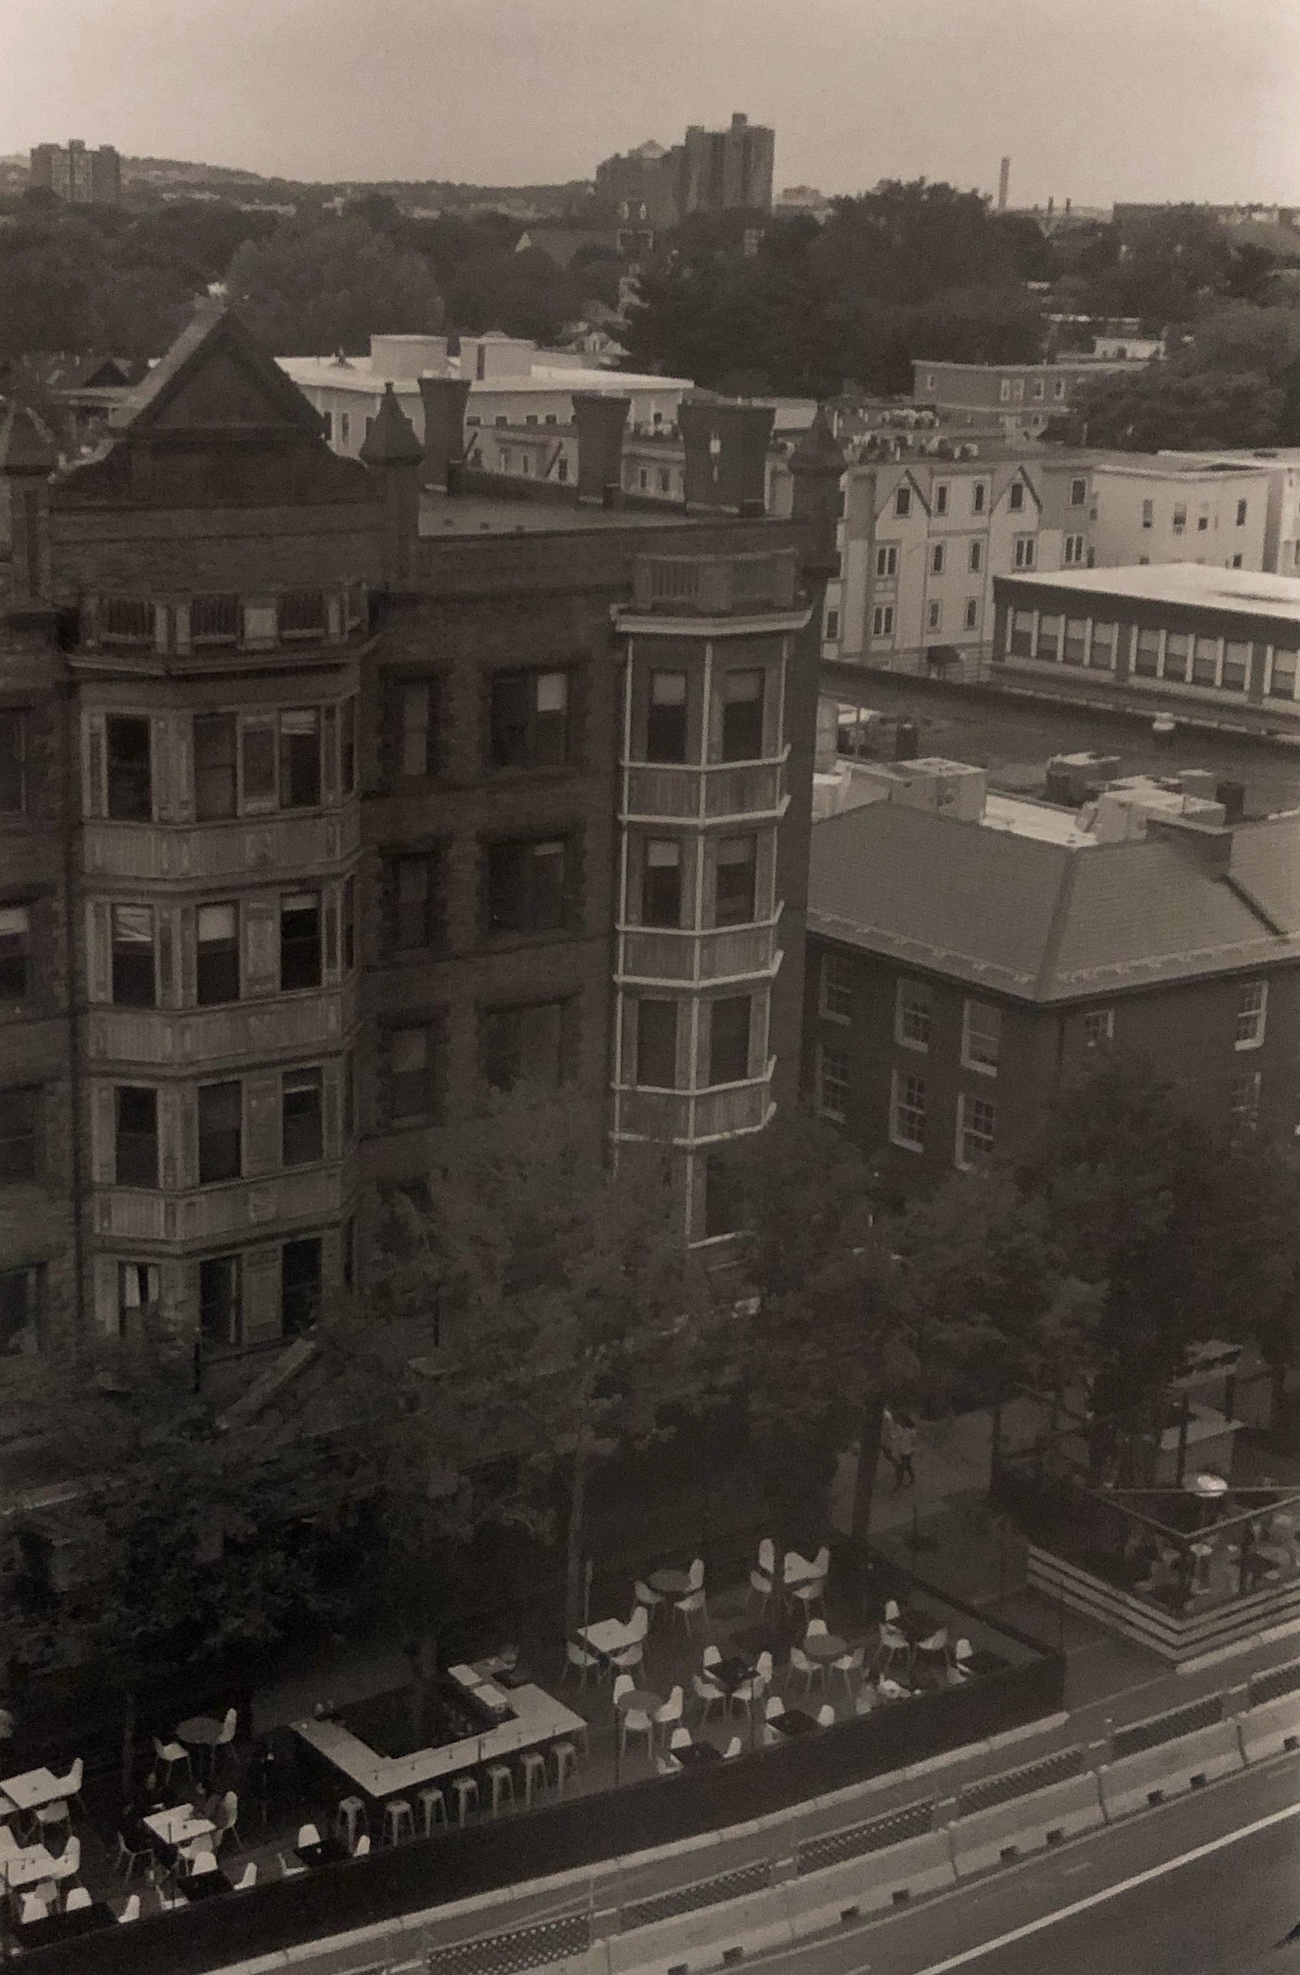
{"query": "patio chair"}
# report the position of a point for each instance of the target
(645, 1596)
(628, 1656)
(635, 1721)
(889, 1690)
(772, 1713)
(578, 1660)
(203, 1862)
(77, 1899)
(810, 1669)
(848, 1664)
(680, 1738)
(71, 1854)
(33, 1909)
(711, 1657)
(362, 1849)
(816, 1629)
(248, 1877)
(733, 1748)
(933, 1647)
(290, 1868)
(826, 1716)
(690, 1606)
(812, 1591)
(172, 1754)
(125, 1860)
(760, 1579)
(226, 1736)
(892, 1613)
(672, 1710)
(131, 1911)
(960, 1670)
(226, 1820)
(753, 1689)
(624, 1684)
(668, 1766)
(706, 1693)
(893, 1645)
(308, 1834)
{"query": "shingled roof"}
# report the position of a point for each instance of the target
(1051, 922)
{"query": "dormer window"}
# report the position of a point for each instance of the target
(214, 620)
(127, 621)
(302, 614)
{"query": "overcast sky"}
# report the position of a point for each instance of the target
(1093, 99)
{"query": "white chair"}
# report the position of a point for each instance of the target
(711, 1657)
(793, 1567)
(627, 1656)
(866, 1699)
(290, 1868)
(826, 1716)
(849, 1664)
(693, 1602)
(889, 1690)
(733, 1748)
(33, 1908)
(646, 1597)
(639, 1623)
(624, 1684)
(172, 1754)
(960, 1670)
(706, 1693)
(203, 1862)
(131, 1911)
(226, 1734)
(672, 1710)
(933, 1647)
(668, 1766)
(892, 1613)
(816, 1629)
(812, 1590)
(753, 1689)
(680, 1738)
(360, 1850)
(502, 1778)
(77, 1898)
(635, 1721)
(307, 1835)
(125, 1860)
(893, 1645)
(760, 1578)
(578, 1660)
(248, 1877)
(772, 1713)
(810, 1669)
(70, 1856)
(774, 1708)
(634, 1652)
(226, 1820)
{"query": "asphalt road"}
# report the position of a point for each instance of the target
(998, 731)
(1208, 1885)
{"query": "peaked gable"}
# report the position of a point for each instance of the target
(215, 379)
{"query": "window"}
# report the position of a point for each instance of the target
(415, 894)
(832, 1092)
(742, 716)
(981, 1036)
(416, 734)
(1016, 496)
(130, 788)
(934, 615)
(345, 427)
(1040, 387)
(221, 1132)
(19, 1111)
(723, 1198)
(729, 1040)
(975, 557)
(1024, 551)
(978, 496)
(15, 952)
(300, 1285)
(1098, 1027)
(300, 758)
(221, 1317)
(300, 958)
(882, 621)
(136, 1136)
(1282, 676)
(412, 1060)
(1049, 635)
(656, 1045)
(1243, 1104)
(1203, 521)
(903, 501)
(907, 1110)
(302, 614)
(972, 617)
(1235, 563)
(887, 559)
(937, 557)
(913, 1009)
(1021, 640)
(214, 765)
(527, 886)
(257, 755)
(217, 968)
(1075, 648)
(1078, 493)
(831, 629)
(1241, 514)
(1205, 661)
(643, 478)
(302, 1131)
(530, 719)
(1148, 514)
(1236, 666)
(665, 480)
(976, 1119)
(523, 1045)
(21, 1298)
(1180, 517)
(138, 1289)
(1101, 652)
(734, 895)
(1252, 1012)
(134, 981)
(1177, 659)
(665, 738)
(1004, 391)
(1146, 658)
(1074, 550)
(348, 746)
(12, 752)
(214, 620)
(941, 499)
(661, 882)
(836, 987)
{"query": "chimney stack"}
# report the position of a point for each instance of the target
(394, 454)
(817, 471)
(726, 455)
(1004, 184)
(444, 400)
(599, 422)
(27, 459)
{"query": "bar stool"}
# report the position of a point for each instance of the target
(501, 1777)
(399, 1822)
(534, 1766)
(350, 1821)
(566, 1764)
(433, 1809)
(466, 1790)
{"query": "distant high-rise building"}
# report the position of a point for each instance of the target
(81, 176)
(712, 171)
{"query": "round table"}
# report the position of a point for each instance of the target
(825, 1646)
(642, 1698)
(672, 1583)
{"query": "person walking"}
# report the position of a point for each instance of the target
(888, 1438)
(904, 1448)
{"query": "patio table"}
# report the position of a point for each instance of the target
(328, 1851)
(672, 1583)
(178, 1825)
(201, 1731)
(794, 1722)
(696, 1754)
(825, 1646)
(730, 1673)
(606, 1636)
(25, 1868)
(33, 1789)
(640, 1697)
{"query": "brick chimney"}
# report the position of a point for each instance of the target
(444, 400)
(394, 455)
(599, 422)
(726, 455)
(817, 468)
(27, 459)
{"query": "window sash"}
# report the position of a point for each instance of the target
(656, 1044)
(730, 1039)
(907, 1110)
(302, 1122)
(221, 1132)
(135, 1138)
(914, 1014)
(300, 941)
(216, 753)
(981, 1039)
(15, 952)
(134, 972)
(19, 1133)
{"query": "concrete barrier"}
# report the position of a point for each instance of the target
(708, 1937)
(1270, 1729)
(819, 1901)
(1170, 1769)
(1027, 1824)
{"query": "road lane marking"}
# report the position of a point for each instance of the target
(1040, 1926)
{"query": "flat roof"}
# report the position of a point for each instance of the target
(1182, 466)
(1251, 592)
(1082, 361)
(358, 374)
(443, 515)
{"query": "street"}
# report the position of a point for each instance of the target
(1208, 1885)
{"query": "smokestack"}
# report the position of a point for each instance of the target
(1004, 184)
(599, 421)
(444, 400)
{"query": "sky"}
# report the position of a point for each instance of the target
(1094, 100)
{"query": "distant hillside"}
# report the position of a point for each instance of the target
(176, 174)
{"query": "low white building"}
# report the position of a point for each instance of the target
(1280, 468)
(1180, 507)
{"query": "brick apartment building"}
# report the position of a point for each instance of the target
(1024, 396)
(322, 827)
(960, 971)
(81, 176)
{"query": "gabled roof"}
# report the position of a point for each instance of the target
(1044, 921)
(215, 379)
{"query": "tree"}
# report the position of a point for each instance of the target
(579, 1315)
(1173, 406)
(324, 285)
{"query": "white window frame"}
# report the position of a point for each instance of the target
(886, 561)
(1102, 1029)
(934, 614)
(973, 1057)
(905, 1010)
(1025, 550)
(972, 620)
(963, 1157)
(1074, 550)
(975, 557)
(938, 557)
(897, 1107)
(833, 1108)
(882, 620)
(832, 995)
(1243, 1102)
(1252, 1007)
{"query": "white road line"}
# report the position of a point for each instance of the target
(1032, 1927)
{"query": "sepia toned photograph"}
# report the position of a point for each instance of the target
(649, 987)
